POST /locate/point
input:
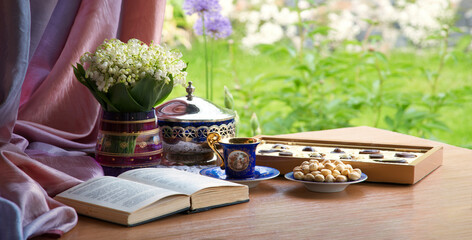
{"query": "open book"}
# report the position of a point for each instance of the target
(147, 194)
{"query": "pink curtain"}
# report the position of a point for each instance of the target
(48, 119)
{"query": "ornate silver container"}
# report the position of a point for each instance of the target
(185, 123)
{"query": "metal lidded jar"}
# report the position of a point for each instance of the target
(185, 123)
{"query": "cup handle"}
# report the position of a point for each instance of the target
(213, 139)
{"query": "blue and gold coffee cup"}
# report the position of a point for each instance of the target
(239, 155)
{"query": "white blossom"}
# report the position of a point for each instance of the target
(343, 25)
(286, 17)
(303, 4)
(117, 62)
(268, 11)
(349, 19)
(419, 19)
(271, 32)
(266, 25)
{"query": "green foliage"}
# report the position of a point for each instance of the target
(229, 100)
(143, 96)
(341, 88)
(283, 89)
(104, 101)
(255, 126)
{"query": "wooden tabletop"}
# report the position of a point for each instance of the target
(437, 207)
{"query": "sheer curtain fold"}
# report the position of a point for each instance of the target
(48, 117)
(14, 52)
(139, 13)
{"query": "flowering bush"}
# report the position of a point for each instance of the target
(210, 23)
(216, 26)
(131, 77)
(201, 6)
(271, 21)
(397, 65)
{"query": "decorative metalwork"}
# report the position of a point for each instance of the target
(190, 132)
(178, 132)
(198, 134)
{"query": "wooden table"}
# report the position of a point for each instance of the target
(437, 207)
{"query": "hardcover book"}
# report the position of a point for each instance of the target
(146, 194)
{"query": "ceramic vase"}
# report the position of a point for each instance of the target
(127, 141)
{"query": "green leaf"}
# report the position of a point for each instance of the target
(302, 68)
(451, 55)
(322, 30)
(229, 100)
(380, 56)
(164, 92)
(463, 43)
(436, 124)
(255, 126)
(455, 29)
(271, 49)
(99, 95)
(120, 96)
(79, 73)
(370, 21)
(148, 92)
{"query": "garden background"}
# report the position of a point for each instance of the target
(298, 65)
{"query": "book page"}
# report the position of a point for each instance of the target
(174, 179)
(116, 193)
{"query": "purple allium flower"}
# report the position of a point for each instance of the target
(216, 25)
(201, 6)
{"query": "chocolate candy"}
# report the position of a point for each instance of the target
(337, 150)
(391, 160)
(285, 154)
(262, 151)
(308, 149)
(369, 151)
(405, 155)
(345, 156)
(376, 156)
(279, 146)
(316, 155)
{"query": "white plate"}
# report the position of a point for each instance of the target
(325, 186)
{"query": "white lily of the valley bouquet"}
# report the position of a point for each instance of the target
(132, 76)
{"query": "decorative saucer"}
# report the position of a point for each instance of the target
(325, 186)
(261, 172)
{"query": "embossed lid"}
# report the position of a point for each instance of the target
(192, 109)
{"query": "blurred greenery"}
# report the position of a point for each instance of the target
(288, 97)
(278, 89)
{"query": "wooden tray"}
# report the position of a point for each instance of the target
(404, 173)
